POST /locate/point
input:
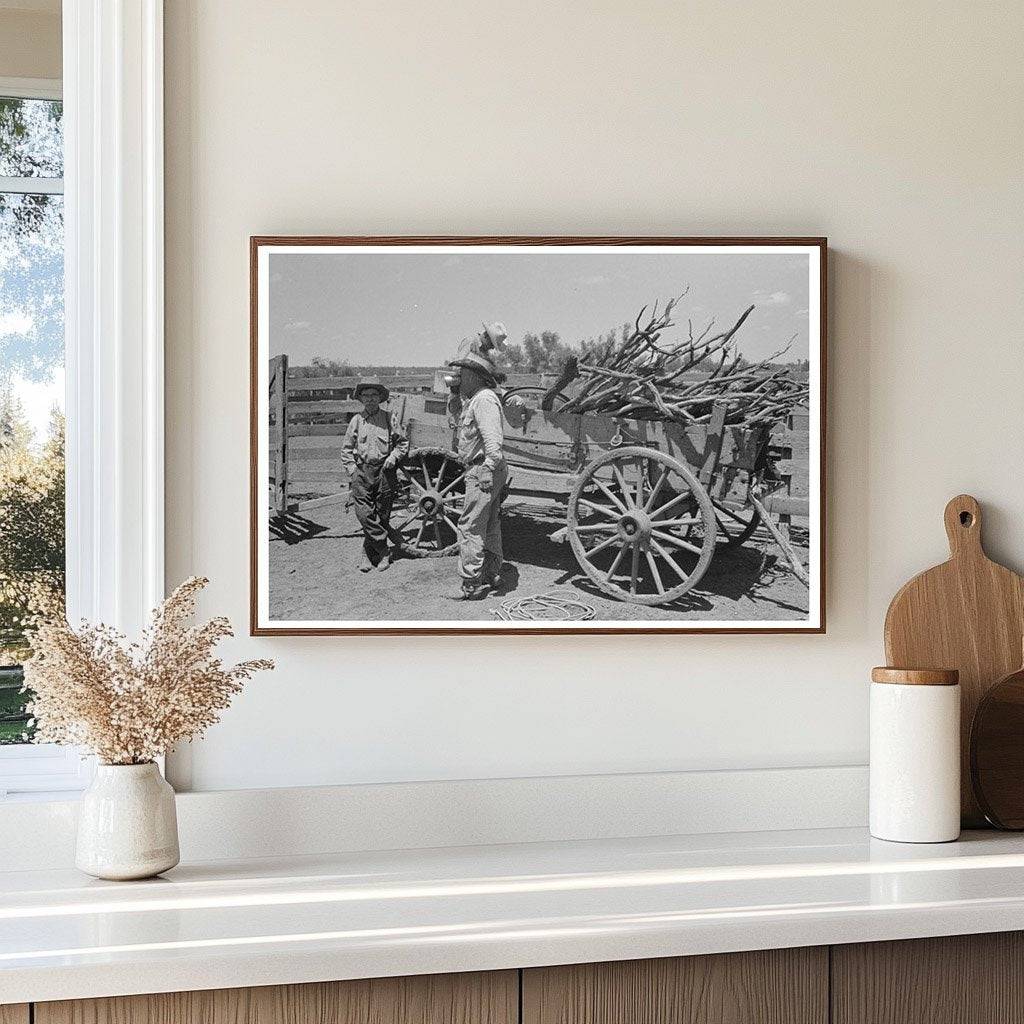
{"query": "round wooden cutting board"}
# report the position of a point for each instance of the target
(967, 614)
(997, 752)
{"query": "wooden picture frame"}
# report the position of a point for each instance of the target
(779, 505)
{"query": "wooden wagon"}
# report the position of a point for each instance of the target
(647, 503)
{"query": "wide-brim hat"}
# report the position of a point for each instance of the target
(470, 356)
(372, 382)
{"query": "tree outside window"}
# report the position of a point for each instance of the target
(31, 386)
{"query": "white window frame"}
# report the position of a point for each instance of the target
(114, 325)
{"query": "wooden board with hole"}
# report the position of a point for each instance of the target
(967, 614)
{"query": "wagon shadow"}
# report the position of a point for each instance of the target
(735, 572)
(526, 534)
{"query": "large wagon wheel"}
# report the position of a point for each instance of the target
(641, 525)
(437, 486)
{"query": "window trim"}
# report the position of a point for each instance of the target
(114, 314)
(32, 88)
(112, 90)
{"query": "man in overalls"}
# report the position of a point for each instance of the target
(480, 441)
(374, 444)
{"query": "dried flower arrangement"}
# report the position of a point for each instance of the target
(129, 703)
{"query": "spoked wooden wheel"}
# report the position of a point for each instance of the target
(641, 525)
(437, 488)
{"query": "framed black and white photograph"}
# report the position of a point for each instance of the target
(572, 435)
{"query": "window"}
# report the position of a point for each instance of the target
(32, 549)
(85, 179)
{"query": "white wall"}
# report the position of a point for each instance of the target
(895, 129)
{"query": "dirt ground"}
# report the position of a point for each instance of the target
(313, 576)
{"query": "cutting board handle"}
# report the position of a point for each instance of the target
(963, 526)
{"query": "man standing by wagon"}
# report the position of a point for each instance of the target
(374, 444)
(480, 443)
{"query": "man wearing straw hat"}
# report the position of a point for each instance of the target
(480, 443)
(374, 444)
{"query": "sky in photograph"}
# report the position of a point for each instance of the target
(410, 309)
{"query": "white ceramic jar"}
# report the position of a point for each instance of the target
(915, 755)
(127, 824)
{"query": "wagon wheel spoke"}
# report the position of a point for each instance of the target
(437, 535)
(654, 572)
(440, 472)
(419, 536)
(408, 476)
(454, 526)
(615, 564)
(670, 504)
(654, 491)
(677, 541)
(602, 510)
(641, 468)
(671, 561)
(621, 481)
(634, 571)
(596, 527)
(600, 547)
(408, 520)
(608, 493)
(449, 486)
(688, 521)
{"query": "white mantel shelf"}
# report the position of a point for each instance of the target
(266, 922)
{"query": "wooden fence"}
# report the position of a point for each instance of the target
(305, 467)
(791, 443)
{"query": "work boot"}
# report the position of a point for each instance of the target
(365, 565)
(474, 591)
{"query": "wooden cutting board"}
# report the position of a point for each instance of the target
(967, 614)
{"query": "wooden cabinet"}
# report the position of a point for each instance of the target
(777, 986)
(962, 979)
(970, 979)
(491, 998)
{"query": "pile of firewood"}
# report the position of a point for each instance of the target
(639, 378)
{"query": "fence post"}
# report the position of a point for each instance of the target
(279, 410)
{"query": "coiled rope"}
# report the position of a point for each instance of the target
(544, 608)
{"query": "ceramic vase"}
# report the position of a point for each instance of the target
(127, 825)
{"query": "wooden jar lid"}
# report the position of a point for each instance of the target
(916, 676)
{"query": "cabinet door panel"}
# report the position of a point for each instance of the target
(960, 979)
(481, 998)
(778, 986)
(14, 1013)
